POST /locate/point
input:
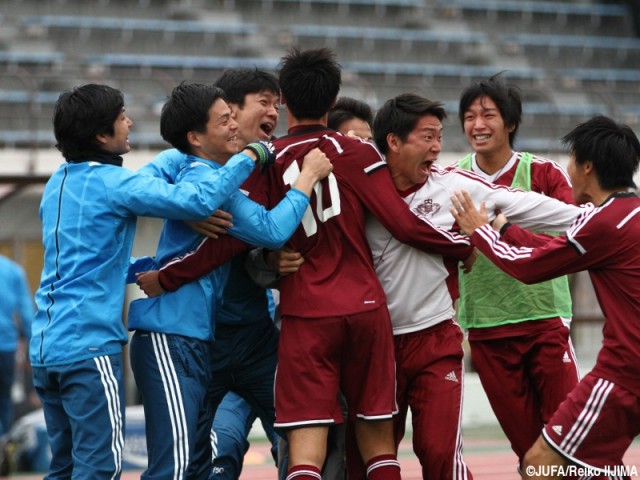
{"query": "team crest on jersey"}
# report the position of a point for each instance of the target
(427, 208)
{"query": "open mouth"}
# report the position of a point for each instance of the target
(425, 167)
(267, 129)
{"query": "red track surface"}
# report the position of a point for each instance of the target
(489, 458)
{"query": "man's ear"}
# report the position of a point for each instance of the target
(588, 167)
(102, 139)
(193, 138)
(234, 109)
(394, 142)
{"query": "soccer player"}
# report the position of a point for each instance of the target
(351, 117)
(596, 423)
(335, 327)
(522, 350)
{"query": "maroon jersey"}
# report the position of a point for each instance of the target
(209, 255)
(337, 277)
(605, 241)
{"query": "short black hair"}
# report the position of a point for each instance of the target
(400, 115)
(348, 108)
(309, 81)
(507, 98)
(240, 82)
(612, 147)
(82, 113)
(186, 110)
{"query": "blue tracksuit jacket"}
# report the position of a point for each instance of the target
(88, 212)
(189, 310)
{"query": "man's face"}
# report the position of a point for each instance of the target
(219, 141)
(258, 118)
(118, 143)
(358, 127)
(577, 176)
(412, 159)
(484, 127)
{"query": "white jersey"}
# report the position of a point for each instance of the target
(421, 288)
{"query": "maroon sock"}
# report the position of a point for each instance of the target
(304, 472)
(383, 467)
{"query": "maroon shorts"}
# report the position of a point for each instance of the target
(430, 372)
(526, 377)
(596, 424)
(319, 356)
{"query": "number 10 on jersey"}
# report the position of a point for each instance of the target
(323, 214)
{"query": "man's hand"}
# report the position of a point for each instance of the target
(149, 283)
(316, 164)
(285, 261)
(467, 263)
(466, 213)
(499, 222)
(217, 224)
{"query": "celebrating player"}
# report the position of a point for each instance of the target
(597, 422)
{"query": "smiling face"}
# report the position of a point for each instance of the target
(258, 118)
(117, 143)
(219, 141)
(410, 160)
(485, 130)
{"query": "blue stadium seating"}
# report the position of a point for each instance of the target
(151, 25)
(33, 58)
(587, 41)
(369, 3)
(380, 34)
(571, 58)
(540, 7)
(179, 61)
(601, 75)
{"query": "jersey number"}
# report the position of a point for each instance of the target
(308, 220)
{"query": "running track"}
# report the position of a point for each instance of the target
(488, 459)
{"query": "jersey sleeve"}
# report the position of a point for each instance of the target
(549, 178)
(521, 237)
(379, 195)
(258, 226)
(166, 165)
(253, 223)
(528, 209)
(551, 258)
(533, 210)
(199, 193)
(210, 254)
